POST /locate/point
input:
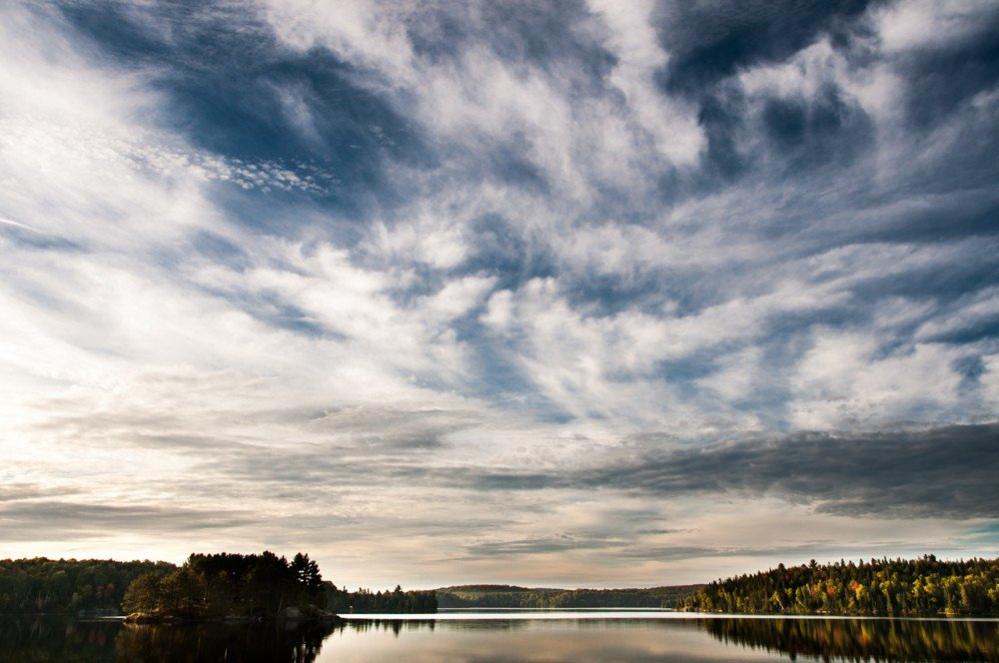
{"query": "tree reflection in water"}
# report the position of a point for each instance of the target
(40, 640)
(864, 640)
(234, 643)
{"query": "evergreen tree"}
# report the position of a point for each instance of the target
(919, 587)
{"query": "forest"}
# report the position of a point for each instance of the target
(365, 601)
(205, 587)
(510, 596)
(227, 585)
(922, 587)
(69, 586)
(862, 639)
(261, 586)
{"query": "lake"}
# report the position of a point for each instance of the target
(508, 636)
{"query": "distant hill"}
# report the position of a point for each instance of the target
(512, 596)
(903, 588)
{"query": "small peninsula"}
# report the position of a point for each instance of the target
(227, 586)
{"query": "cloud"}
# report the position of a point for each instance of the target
(16, 492)
(913, 474)
(346, 268)
(46, 520)
(945, 472)
(914, 25)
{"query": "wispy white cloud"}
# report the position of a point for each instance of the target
(506, 253)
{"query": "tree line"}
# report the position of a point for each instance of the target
(905, 588)
(365, 601)
(509, 596)
(257, 586)
(85, 586)
(204, 587)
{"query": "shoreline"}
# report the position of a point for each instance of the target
(167, 620)
(498, 614)
(625, 614)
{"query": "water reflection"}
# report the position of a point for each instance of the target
(236, 643)
(42, 640)
(864, 640)
(53, 639)
(394, 625)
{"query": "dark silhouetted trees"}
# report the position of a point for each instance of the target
(256, 586)
(228, 585)
(205, 587)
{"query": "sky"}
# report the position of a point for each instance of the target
(583, 293)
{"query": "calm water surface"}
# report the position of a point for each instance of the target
(507, 636)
